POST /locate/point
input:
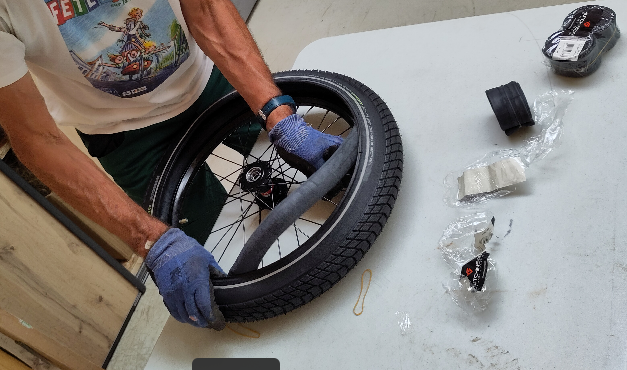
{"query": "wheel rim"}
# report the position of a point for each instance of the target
(257, 182)
(374, 150)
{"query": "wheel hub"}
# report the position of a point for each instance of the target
(269, 191)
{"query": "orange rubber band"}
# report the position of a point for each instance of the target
(245, 335)
(360, 290)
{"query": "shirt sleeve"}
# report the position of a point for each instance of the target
(12, 59)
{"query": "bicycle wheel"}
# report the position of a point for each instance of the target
(325, 242)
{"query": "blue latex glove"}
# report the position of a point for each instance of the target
(182, 269)
(302, 146)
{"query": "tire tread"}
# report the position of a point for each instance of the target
(358, 242)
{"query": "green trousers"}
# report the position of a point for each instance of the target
(132, 157)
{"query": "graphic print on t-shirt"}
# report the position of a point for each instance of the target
(123, 47)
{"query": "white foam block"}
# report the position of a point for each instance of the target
(486, 179)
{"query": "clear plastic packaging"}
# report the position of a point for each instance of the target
(404, 322)
(549, 110)
(472, 271)
(576, 49)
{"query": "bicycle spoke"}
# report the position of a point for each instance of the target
(229, 175)
(232, 236)
(241, 208)
(329, 200)
(225, 159)
(229, 181)
(292, 180)
(236, 197)
(256, 158)
(313, 222)
(262, 201)
(338, 117)
(343, 132)
(231, 224)
(275, 159)
(306, 113)
(270, 147)
(244, 162)
(297, 239)
(280, 169)
(323, 118)
(285, 182)
(302, 232)
(274, 154)
(282, 172)
(241, 199)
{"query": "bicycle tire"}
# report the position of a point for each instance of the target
(349, 231)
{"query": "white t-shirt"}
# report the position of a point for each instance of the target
(103, 66)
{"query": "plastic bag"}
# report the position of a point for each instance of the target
(576, 49)
(549, 110)
(473, 271)
(404, 322)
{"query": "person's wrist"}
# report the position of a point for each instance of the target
(152, 235)
(278, 115)
(171, 241)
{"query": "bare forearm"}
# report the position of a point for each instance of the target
(223, 36)
(51, 156)
(74, 177)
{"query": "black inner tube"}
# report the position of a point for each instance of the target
(303, 198)
(510, 107)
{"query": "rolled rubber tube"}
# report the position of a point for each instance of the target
(290, 209)
(510, 107)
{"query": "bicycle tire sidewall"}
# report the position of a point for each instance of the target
(347, 231)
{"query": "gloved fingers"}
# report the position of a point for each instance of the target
(194, 316)
(324, 139)
(334, 140)
(329, 152)
(215, 271)
(297, 162)
(176, 308)
(208, 307)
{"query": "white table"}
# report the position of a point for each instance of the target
(561, 300)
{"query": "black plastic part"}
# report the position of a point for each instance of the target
(80, 234)
(510, 106)
(272, 193)
(255, 176)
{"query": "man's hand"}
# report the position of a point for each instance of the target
(182, 270)
(302, 146)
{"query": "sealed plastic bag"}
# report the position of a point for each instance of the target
(472, 271)
(587, 33)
